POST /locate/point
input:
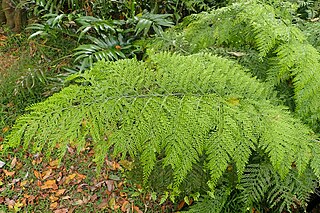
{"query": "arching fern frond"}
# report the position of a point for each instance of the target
(254, 25)
(261, 187)
(180, 108)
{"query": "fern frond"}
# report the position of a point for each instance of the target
(252, 25)
(180, 108)
(215, 205)
(261, 187)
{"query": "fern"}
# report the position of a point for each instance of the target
(260, 189)
(251, 25)
(180, 108)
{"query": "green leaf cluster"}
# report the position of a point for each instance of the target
(188, 113)
(280, 51)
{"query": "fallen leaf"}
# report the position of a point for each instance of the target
(46, 174)
(9, 174)
(3, 38)
(103, 204)
(136, 209)
(86, 199)
(23, 183)
(16, 180)
(53, 198)
(96, 186)
(70, 178)
(54, 163)
(80, 176)
(125, 206)
(13, 162)
(50, 184)
(37, 161)
(94, 197)
(79, 202)
(60, 177)
(26, 196)
(119, 185)
(70, 150)
(30, 198)
(65, 197)
(5, 129)
(24, 201)
(234, 101)
(112, 203)
(60, 192)
(115, 165)
(53, 205)
(110, 185)
(2, 164)
(18, 165)
(181, 205)
(37, 174)
(64, 210)
(72, 209)
(123, 194)
(10, 203)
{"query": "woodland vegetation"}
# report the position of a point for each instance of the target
(160, 106)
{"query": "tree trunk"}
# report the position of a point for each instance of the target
(14, 18)
(2, 15)
(9, 13)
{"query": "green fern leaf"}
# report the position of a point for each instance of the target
(194, 110)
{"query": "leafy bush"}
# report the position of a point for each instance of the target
(109, 30)
(109, 39)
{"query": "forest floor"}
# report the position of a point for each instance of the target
(6, 58)
(32, 183)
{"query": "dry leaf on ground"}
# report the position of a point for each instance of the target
(50, 184)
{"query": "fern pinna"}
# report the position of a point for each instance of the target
(180, 110)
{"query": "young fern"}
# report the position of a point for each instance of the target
(177, 107)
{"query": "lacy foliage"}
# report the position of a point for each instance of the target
(281, 47)
(187, 112)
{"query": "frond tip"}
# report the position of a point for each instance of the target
(174, 108)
